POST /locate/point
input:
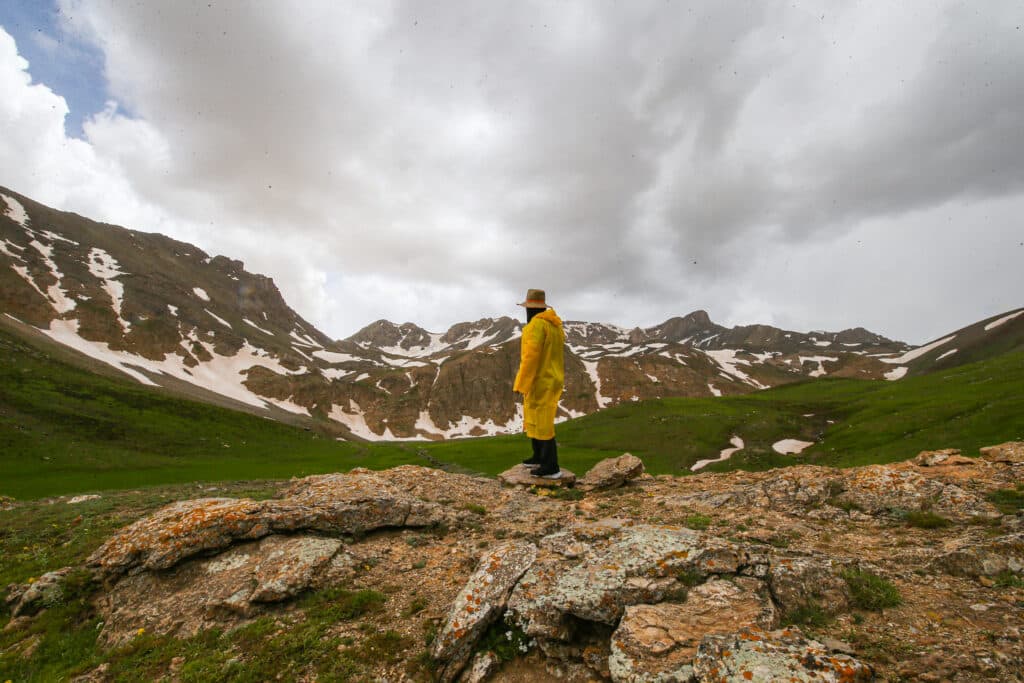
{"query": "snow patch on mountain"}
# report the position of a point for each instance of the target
(105, 267)
(918, 352)
(820, 360)
(201, 293)
(264, 331)
(15, 211)
(724, 454)
(947, 354)
(791, 446)
(219, 319)
(897, 373)
(333, 357)
(1006, 318)
(727, 360)
(714, 391)
(591, 367)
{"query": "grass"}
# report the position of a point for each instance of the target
(869, 591)
(264, 649)
(1008, 501)
(64, 430)
(925, 519)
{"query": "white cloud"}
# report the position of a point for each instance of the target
(428, 163)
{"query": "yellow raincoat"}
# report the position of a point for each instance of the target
(541, 373)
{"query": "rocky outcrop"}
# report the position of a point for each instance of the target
(1009, 453)
(612, 472)
(659, 642)
(944, 458)
(351, 503)
(479, 604)
(632, 596)
(224, 590)
(765, 657)
(28, 598)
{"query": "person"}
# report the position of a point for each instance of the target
(540, 380)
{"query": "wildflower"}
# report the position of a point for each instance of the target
(140, 631)
(31, 579)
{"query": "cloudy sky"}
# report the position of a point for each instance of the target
(813, 165)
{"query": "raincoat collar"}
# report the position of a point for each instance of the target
(550, 316)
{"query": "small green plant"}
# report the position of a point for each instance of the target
(870, 591)
(810, 614)
(698, 522)
(1008, 579)
(415, 607)
(926, 519)
(567, 494)
(419, 564)
(475, 509)
(1008, 501)
(690, 577)
(504, 640)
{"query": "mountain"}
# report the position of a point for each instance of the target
(167, 314)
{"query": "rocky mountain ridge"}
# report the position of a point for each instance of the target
(165, 313)
(906, 571)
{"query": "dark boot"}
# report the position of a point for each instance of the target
(549, 457)
(537, 459)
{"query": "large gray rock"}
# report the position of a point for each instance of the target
(634, 565)
(223, 590)
(28, 598)
(358, 501)
(481, 601)
(964, 557)
(758, 656)
(808, 582)
(657, 643)
(612, 472)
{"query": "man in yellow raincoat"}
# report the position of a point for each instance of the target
(540, 380)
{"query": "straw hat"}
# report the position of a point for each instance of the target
(534, 299)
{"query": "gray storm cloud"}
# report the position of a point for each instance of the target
(430, 160)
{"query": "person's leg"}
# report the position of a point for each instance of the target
(549, 450)
(537, 459)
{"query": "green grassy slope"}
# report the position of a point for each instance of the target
(65, 430)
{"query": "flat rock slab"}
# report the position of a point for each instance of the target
(612, 472)
(659, 642)
(943, 458)
(754, 655)
(801, 582)
(521, 475)
(222, 590)
(479, 603)
(1010, 453)
(356, 502)
(879, 489)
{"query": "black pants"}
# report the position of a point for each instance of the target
(546, 453)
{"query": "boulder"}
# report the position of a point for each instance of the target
(808, 582)
(758, 656)
(481, 601)
(612, 472)
(358, 501)
(659, 642)
(1010, 453)
(945, 457)
(639, 564)
(989, 558)
(28, 598)
(222, 590)
(884, 489)
(521, 475)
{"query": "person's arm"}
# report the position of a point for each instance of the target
(529, 359)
